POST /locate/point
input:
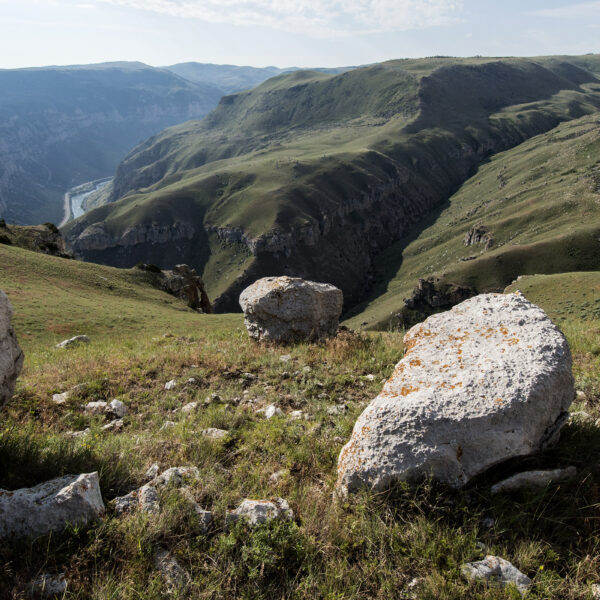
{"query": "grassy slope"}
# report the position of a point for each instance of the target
(540, 200)
(369, 547)
(260, 159)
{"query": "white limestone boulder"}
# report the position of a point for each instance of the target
(497, 571)
(50, 506)
(484, 382)
(11, 355)
(289, 309)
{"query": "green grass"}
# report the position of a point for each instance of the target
(540, 201)
(370, 546)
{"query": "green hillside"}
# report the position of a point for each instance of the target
(408, 542)
(317, 175)
(539, 203)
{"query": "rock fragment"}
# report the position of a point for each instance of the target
(74, 341)
(497, 571)
(214, 434)
(96, 408)
(533, 479)
(270, 411)
(116, 408)
(288, 309)
(175, 576)
(257, 512)
(171, 385)
(176, 476)
(49, 506)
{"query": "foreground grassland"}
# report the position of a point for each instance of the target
(371, 546)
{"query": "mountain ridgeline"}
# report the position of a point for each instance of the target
(64, 126)
(319, 175)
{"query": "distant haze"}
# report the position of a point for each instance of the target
(306, 33)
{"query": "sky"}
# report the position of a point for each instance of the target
(285, 33)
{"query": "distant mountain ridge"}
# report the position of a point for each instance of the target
(61, 126)
(317, 175)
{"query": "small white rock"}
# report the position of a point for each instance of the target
(148, 499)
(77, 434)
(190, 407)
(78, 339)
(595, 591)
(117, 408)
(170, 385)
(278, 475)
(167, 425)
(580, 416)
(285, 358)
(497, 570)
(115, 425)
(176, 476)
(533, 479)
(257, 512)
(192, 381)
(369, 377)
(95, 408)
(214, 433)
(580, 396)
(61, 398)
(296, 414)
(337, 409)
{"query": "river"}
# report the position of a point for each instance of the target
(74, 205)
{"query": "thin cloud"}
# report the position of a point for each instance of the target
(583, 10)
(312, 17)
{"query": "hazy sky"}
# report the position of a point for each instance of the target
(286, 33)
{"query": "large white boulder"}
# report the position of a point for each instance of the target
(50, 506)
(288, 309)
(486, 381)
(11, 356)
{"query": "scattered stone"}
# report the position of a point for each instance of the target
(285, 358)
(167, 425)
(192, 381)
(77, 434)
(484, 382)
(48, 586)
(287, 309)
(337, 409)
(595, 591)
(205, 517)
(278, 476)
(270, 411)
(74, 341)
(95, 408)
(338, 440)
(11, 355)
(296, 414)
(176, 476)
(116, 408)
(369, 377)
(497, 571)
(171, 385)
(148, 499)
(61, 398)
(49, 506)
(479, 235)
(189, 408)
(580, 396)
(152, 471)
(257, 512)
(115, 425)
(306, 369)
(175, 576)
(214, 433)
(533, 479)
